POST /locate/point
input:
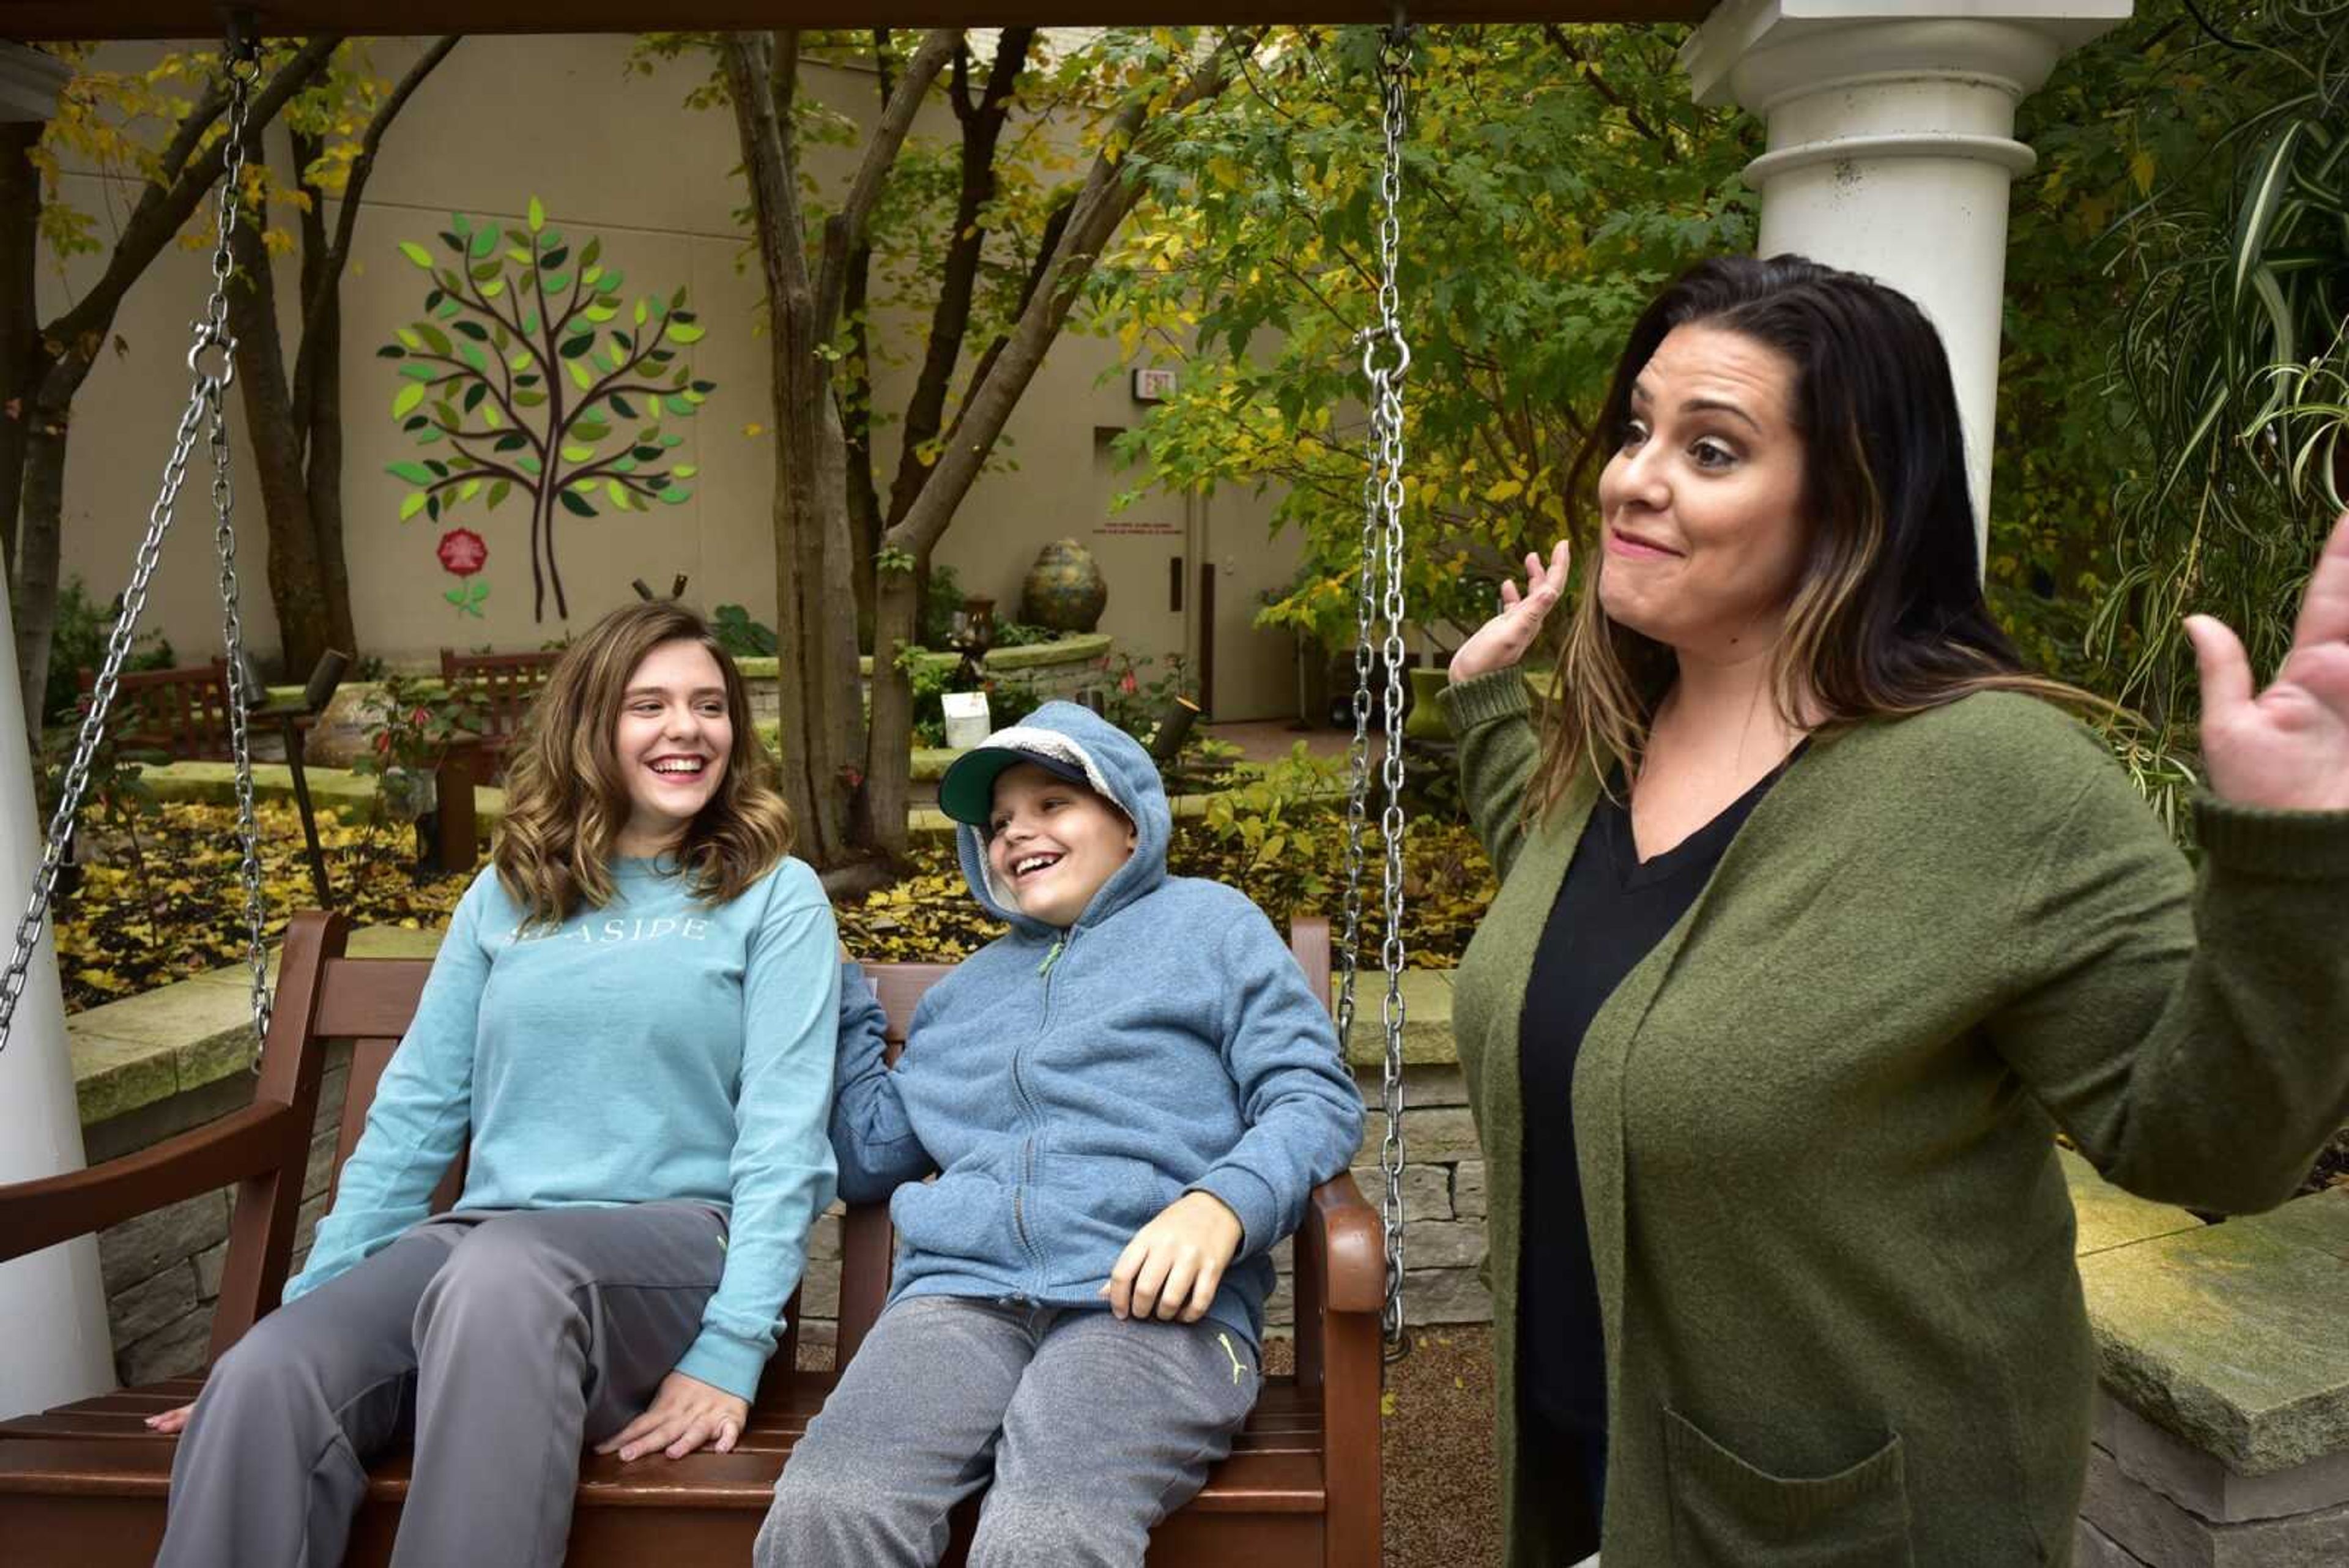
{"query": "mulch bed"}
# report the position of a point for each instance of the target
(165, 900)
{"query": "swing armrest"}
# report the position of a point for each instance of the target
(1342, 1229)
(54, 1209)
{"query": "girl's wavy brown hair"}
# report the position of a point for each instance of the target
(1888, 617)
(567, 794)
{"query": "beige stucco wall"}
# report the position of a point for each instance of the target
(612, 153)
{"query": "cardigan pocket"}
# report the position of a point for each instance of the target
(1727, 1513)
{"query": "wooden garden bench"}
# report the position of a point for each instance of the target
(84, 1484)
(182, 713)
(506, 684)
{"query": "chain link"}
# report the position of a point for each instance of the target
(212, 366)
(1379, 604)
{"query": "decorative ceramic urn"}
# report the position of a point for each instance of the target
(1064, 589)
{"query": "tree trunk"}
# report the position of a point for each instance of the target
(1003, 374)
(323, 480)
(294, 584)
(40, 531)
(889, 768)
(21, 360)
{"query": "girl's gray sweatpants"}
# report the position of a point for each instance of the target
(1092, 1430)
(500, 1340)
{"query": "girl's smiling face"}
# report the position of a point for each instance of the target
(1051, 844)
(672, 741)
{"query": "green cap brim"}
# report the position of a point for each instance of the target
(967, 790)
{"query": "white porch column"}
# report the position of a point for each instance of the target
(1891, 147)
(53, 1303)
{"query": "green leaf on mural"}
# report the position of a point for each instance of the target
(414, 473)
(600, 313)
(677, 404)
(416, 253)
(404, 403)
(675, 493)
(528, 398)
(528, 464)
(620, 496)
(408, 338)
(498, 493)
(537, 215)
(573, 347)
(494, 287)
(578, 454)
(576, 504)
(685, 470)
(485, 240)
(411, 505)
(628, 410)
(491, 418)
(473, 396)
(587, 257)
(579, 374)
(641, 313)
(554, 257)
(468, 595)
(468, 490)
(472, 329)
(434, 338)
(590, 430)
(471, 354)
(556, 282)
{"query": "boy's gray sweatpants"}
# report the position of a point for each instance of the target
(500, 1340)
(1092, 1429)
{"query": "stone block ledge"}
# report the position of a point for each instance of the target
(185, 1036)
(2229, 1336)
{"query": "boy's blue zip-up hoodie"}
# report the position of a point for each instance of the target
(1070, 1085)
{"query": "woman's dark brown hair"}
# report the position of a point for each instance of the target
(1887, 616)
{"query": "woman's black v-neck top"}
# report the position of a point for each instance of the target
(1611, 910)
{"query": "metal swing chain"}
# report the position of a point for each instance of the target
(1386, 355)
(210, 378)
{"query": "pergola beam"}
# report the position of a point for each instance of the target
(35, 20)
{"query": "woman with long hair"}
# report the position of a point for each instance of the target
(1820, 916)
(628, 1036)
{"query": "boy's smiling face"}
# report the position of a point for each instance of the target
(1051, 844)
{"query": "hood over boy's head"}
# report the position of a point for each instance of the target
(1064, 820)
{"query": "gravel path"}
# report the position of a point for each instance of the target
(1442, 1493)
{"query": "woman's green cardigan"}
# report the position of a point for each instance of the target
(1815, 1126)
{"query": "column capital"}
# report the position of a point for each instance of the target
(30, 82)
(1759, 54)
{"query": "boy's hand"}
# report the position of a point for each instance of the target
(685, 1415)
(1174, 1264)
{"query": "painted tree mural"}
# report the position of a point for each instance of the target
(535, 380)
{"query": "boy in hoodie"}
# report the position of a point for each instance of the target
(1129, 1099)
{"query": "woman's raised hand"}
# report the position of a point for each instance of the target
(2286, 748)
(1503, 640)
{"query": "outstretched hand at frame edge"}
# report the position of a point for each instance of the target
(2286, 748)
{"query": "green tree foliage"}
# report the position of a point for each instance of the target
(539, 380)
(1554, 176)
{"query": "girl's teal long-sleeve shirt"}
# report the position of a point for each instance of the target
(656, 1049)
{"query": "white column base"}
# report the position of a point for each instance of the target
(53, 1302)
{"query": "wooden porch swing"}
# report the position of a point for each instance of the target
(85, 1484)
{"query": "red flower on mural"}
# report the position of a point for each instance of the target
(463, 552)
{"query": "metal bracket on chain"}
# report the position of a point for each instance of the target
(204, 409)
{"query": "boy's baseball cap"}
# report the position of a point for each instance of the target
(967, 791)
